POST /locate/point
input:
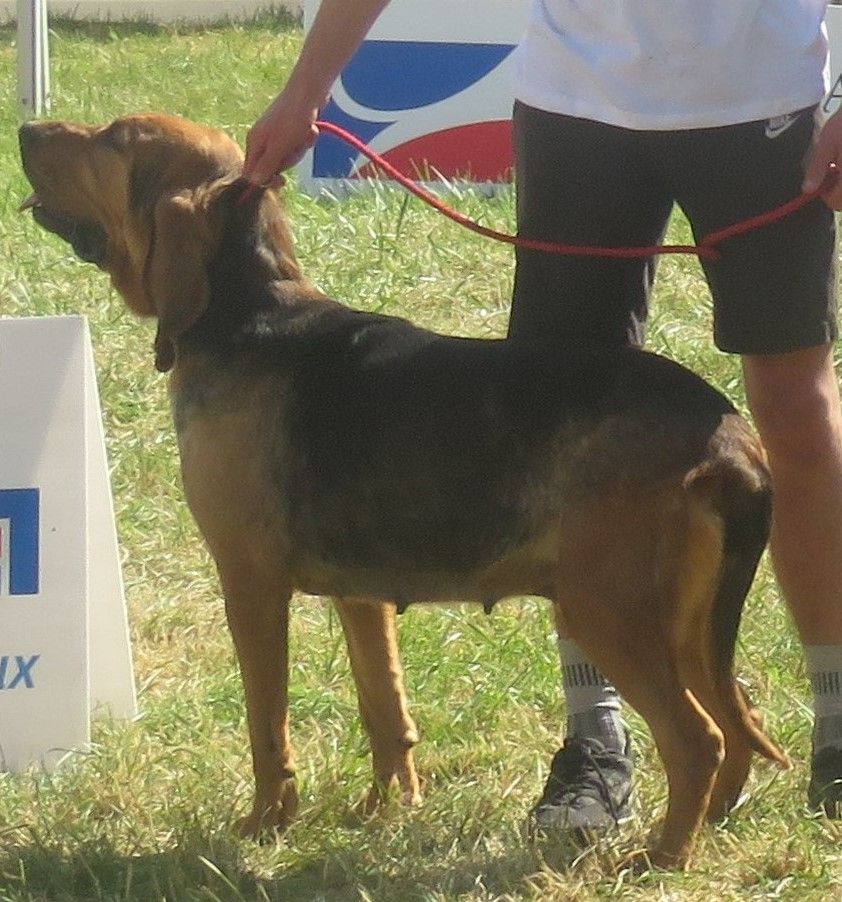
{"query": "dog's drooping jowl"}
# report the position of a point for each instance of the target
(354, 455)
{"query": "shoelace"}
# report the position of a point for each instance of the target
(575, 765)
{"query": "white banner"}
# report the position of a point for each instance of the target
(430, 89)
(64, 648)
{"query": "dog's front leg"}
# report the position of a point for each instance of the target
(371, 634)
(258, 616)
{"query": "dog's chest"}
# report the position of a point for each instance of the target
(228, 444)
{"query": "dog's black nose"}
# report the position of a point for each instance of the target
(28, 134)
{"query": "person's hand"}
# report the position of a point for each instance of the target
(279, 139)
(827, 152)
(286, 131)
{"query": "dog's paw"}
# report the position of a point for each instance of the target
(722, 807)
(640, 861)
(404, 792)
(261, 826)
(267, 820)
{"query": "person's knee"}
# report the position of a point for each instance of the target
(796, 410)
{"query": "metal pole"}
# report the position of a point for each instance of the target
(33, 59)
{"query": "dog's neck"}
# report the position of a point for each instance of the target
(257, 290)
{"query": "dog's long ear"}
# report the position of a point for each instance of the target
(176, 278)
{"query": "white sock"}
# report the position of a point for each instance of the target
(824, 665)
(593, 705)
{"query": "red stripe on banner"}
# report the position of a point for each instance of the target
(480, 152)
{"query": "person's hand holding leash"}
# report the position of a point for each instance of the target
(280, 138)
(287, 129)
(826, 153)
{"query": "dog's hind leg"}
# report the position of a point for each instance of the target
(257, 608)
(692, 749)
(617, 593)
(637, 659)
(698, 573)
(371, 634)
(732, 776)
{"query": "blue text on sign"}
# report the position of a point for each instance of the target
(16, 671)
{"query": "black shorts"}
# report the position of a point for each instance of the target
(583, 182)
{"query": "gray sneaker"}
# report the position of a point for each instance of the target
(825, 790)
(588, 788)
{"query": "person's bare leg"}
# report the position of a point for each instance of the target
(794, 399)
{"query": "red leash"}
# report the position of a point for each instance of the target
(706, 249)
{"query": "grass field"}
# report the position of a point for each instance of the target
(146, 813)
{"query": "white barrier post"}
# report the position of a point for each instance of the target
(64, 647)
(33, 58)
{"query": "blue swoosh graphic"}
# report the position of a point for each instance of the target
(332, 157)
(403, 75)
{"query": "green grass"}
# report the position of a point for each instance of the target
(145, 814)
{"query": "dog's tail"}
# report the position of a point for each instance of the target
(736, 488)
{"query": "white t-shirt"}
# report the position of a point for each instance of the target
(673, 64)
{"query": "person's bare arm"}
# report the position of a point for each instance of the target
(282, 135)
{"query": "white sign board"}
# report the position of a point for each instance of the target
(430, 89)
(64, 648)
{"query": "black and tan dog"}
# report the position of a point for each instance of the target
(357, 456)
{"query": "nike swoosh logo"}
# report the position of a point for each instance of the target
(777, 126)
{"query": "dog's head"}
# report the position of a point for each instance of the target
(146, 199)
